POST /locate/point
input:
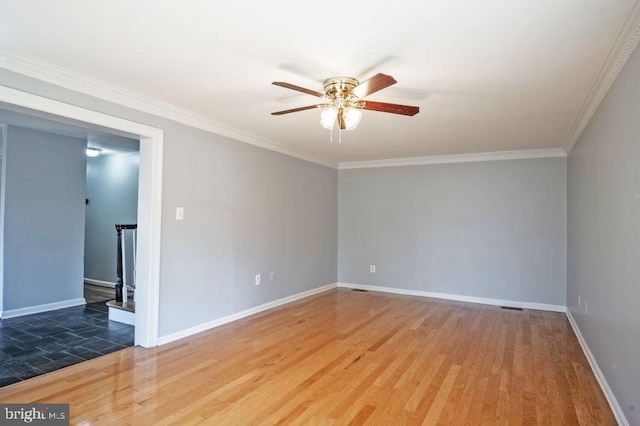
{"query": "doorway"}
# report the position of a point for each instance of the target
(111, 202)
(149, 196)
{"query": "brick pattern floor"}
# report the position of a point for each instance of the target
(36, 344)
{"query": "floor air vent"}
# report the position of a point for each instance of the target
(360, 290)
(511, 308)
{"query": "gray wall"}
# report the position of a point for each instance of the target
(487, 229)
(44, 190)
(247, 211)
(604, 236)
(112, 190)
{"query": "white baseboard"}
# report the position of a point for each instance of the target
(458, 297)
(234, 317)
(100, 283)
(120, 315)
(12, 313)
(608, 393)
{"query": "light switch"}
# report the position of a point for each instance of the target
(179, 213)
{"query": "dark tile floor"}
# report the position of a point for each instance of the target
(36, 344)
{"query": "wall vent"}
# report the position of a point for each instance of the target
(360, 290)
(511, 308)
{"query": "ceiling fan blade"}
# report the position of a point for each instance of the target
(298, 88)
(392, 108)
(375, 83)
(287, 111)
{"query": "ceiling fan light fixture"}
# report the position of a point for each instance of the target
(328, 118)
(351, 117)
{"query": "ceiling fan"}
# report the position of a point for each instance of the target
(342, 100)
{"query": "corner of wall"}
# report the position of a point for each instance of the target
(602, 381)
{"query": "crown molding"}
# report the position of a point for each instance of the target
(625, 43)
(462, 158)
(78, 82)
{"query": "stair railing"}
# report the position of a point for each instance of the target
(120, 293)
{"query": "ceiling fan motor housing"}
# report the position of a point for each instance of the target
(339, 87)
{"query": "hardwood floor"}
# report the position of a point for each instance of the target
(96, 293)
(343, 357)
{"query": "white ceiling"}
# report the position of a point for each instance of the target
(496, 75)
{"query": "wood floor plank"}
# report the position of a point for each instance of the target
(515, 388)
(440, 400)
(474, 370)
(362, 415)
(473, 354)
(476, 404)
(343, 357)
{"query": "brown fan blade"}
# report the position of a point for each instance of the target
(392, 108)
(287, 111)
(375, 83)
(298, 88)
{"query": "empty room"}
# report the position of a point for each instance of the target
(369, 213)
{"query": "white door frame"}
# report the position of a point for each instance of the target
(149, 201)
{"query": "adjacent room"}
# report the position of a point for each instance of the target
(408, 213)
(61, 203)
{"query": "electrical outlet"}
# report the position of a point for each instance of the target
(372, 269)
(579, 302)
(272, 276)
(586, 307)
(258, 278)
